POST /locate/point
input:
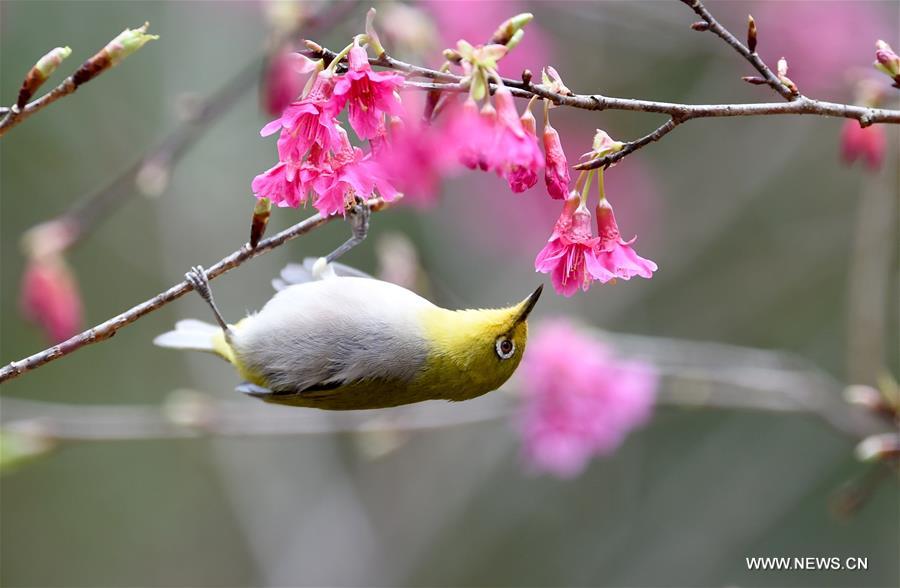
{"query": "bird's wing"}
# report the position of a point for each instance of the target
(300, 273)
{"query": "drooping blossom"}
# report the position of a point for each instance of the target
(368, 94)
(556, 173)
(473, 131)
(866, 143)
(570, 255)
(494, 139)
(307, 122)
(50, 297)
(521, 177)
(282, 80)
(514, 154)
(615, 254)
(578, 399)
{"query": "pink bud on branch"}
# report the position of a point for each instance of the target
(887, 62)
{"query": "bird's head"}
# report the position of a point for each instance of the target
(480, 349)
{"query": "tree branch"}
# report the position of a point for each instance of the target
(679, 113)
(109, 328)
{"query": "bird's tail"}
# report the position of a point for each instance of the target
(195, 335)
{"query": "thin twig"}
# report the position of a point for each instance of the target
(716, 28)
(109, 328)
(14, 116)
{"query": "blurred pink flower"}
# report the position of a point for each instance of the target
(50, 297)
(307, 122)
(868, 144)
(472, 131)
(570, 255)
(369, 94)
(524, 175)
(415, 157)
(578, 399)
(556, 174)
(614, 253)
(282, 80)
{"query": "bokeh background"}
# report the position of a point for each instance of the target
(761, 235)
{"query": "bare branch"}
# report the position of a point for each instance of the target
(749, 54)
(109, 328)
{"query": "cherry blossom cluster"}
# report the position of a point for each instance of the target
(315, 156)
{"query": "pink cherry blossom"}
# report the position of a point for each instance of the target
(348, 173)
(522, 177)
(307, 122)
(615, 254)
(514, 153)
(50, 297)
(370, 94)
(570, 256)
(556, 174)
(868, 144)
(578, 399)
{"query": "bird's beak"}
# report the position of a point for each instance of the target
(527, 305)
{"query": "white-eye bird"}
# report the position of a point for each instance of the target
(343, 342)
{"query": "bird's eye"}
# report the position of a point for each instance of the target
(505, 347)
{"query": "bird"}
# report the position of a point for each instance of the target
(335, 339)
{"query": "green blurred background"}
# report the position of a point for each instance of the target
(753, 223)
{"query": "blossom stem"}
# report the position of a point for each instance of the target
(601, 189)
(587, 186)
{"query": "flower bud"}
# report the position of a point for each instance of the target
(868, 144)
(886, 61)
(556, 174)
(510, 27)
(551, 78)
(50, 297)
(516, 39)
(128, 41)
(38, 74)
(782, 76)
(262, 210)
(877, 447)
(603, 145)
(751, 33)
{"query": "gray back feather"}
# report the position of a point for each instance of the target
(334, 331)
